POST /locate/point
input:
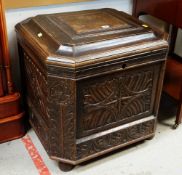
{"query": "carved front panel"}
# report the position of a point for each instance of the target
(113, 139)
(114, 99)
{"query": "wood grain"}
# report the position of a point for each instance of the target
(97, 91)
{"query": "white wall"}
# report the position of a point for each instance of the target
(178, 48)
(16, 15)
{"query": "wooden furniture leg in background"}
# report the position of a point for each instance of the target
(11, 115)
(179, 113)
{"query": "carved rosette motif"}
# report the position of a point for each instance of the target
(61, 112)
(123, 136)
(113, 99)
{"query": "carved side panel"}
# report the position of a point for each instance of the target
(36, 94)
(114, 98)
(61, 109)
(36, 87)
(52, 110)
(124, 136)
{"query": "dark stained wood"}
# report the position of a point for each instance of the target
(170, 12)
(179, 19)
(166, 10)
(65, 166)
(179, 112)
(173, 36)
(11, 115)
(93, 81)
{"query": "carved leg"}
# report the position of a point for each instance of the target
(150, 138)
(65, 167)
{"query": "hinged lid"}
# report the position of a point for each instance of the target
(76, 38)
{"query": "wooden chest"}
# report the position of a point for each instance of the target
(93, 81)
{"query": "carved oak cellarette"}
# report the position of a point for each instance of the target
(93, 81)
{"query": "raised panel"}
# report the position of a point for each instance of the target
(115, 99)
(91, 22)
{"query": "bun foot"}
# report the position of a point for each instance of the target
(65, 167)
(150, 138)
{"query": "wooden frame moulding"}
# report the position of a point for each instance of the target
(9, 4)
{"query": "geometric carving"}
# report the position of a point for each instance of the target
(52, 102)
(115, 138)
(36, 94)
(113, 99)
(84, 100)
(110, 100)
(37, 90)
(61, 106)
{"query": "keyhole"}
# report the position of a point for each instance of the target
(124, 66)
